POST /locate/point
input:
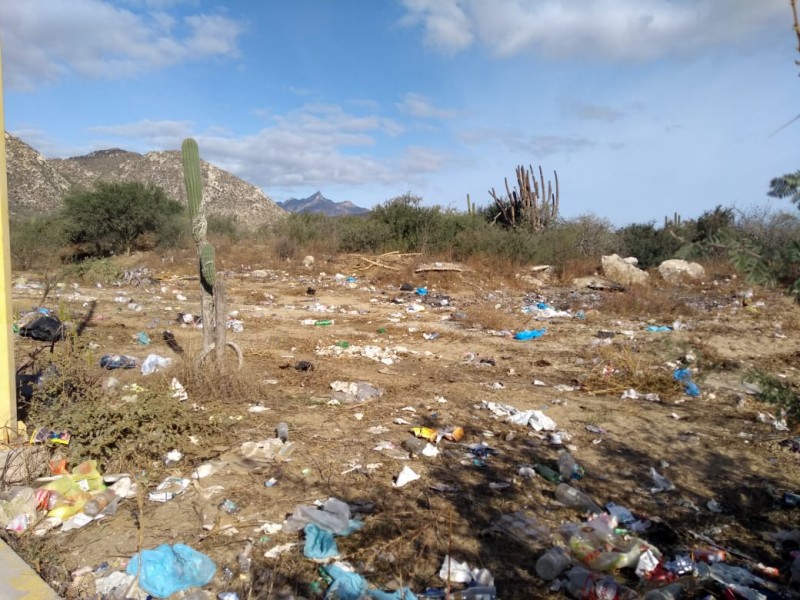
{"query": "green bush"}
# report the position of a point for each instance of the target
(410, 225)
(777, 392)
(35, 243)
(359, 234)
(650, 245)
(226, 226)
(114, 217)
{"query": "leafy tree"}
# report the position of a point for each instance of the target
(786, 186)
(112, 217)
(648, 243)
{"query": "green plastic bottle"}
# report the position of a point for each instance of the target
(547, 473)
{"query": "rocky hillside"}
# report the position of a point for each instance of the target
(34, 186)
(37, 184)
(317, 203)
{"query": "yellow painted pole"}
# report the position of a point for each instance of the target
(8, 396)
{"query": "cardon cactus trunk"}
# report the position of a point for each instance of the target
(205, 251)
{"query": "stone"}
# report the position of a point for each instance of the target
(617, 269)
(674, 269)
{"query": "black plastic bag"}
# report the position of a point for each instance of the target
(44, 329)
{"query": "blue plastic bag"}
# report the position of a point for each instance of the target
(530, 334)
(320, 544)
(352, 586)
(659, 328)
(170, 569)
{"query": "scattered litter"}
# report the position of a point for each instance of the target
(169, 488)
(166, 570)
(534, 418)
(349, 392)
(154, 362)
(529, 334)
(276, 551)
(662, 484)
(406, 476)
(118, 361)
(178, 391)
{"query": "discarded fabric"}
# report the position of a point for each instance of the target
(167, 569)
(530, 334)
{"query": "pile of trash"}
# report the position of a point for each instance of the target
(387, 355)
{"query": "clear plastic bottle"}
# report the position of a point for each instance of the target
(244, 559)
(282, 432)
(552, 563)
(586, 585)
(567, 466)
(673, 591)
(99, 502)
(475, 593)
(569, 496)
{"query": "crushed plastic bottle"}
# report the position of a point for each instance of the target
(567, 466)
(574, 498)
(282, 432)
(552, 563)
(585, 585)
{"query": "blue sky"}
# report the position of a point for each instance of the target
(644, 107)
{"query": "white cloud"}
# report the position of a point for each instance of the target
(417, 105)
(447, 26)
(154, 134)
(612, 29)
(44, 40)
(527, 145)
(314, 146)
(592, 112)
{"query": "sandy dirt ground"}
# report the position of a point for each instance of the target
(445, 356)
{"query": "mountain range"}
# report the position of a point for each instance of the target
(317, 203)
(37, 185)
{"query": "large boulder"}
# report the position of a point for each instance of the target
(675, 269)
(620, 270)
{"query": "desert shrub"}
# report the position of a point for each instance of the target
(649, 244)
(411, 226)
(95, 270)
(581, 237)
(121, 434)
(777, 392)
(35, 242)
(772, 231)
(359, 234)
(515, 247)
(226, 226)
(112, 216)
(305, 229)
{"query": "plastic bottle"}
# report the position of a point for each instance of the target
(795, 570)
(547, 473)
(566, 465)
(475, 593)
(585, 585)
(569, 496)
(244, 559)
(673, 591)
(282, 432)
(99, 502)
(323, 322)
(414, 445)
(552, 563)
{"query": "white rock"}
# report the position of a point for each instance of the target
(617, 269)
(674, 269)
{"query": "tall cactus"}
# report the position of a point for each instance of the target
(192, 177)
(534, 207)
(212, 290)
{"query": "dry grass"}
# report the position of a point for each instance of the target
(647, 302)
(621, 367)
